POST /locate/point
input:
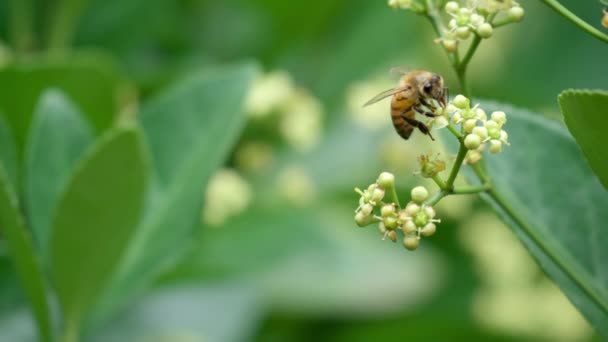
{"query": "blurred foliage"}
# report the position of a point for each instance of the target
(281, 270)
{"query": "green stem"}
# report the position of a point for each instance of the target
(22, 24)
(462, 152)
(63, 23)
(454, 131)
(583, 25)
(472, 189)
(437, 197)
(565, 265)
(440, 182)
(394, 197)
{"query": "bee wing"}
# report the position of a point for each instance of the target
(399, 71)
(385, 94)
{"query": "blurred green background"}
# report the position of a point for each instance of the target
(286, 262)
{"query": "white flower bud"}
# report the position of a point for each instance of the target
(367, 209)
(516, 13)
(469, 124)
(465, 12)
(419, 194)
(500, 117)
(428, 230)
(363, 220)
(495, 146)
(452, 7)
(504, 137)
(386, 180)
(476, 19)
(409, 227)
(450, 45)
(463, 32)
(473, 157)
(481, 132)
(440, 122)
(387, 210)
(452, 23)
(481, 114)
(472, 141)
(377, 195)
(485, 30)
(457, 117)
(412, 209)
(430, 212)
(411, 242)
(461, 102)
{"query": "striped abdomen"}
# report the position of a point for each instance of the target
(402, 107)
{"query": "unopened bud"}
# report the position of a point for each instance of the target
(472, 141)
(409, 227)
(516, 13)
(419, 194)
(500, 117)
(450, 45)
(386, 180)
(495, 146)
(391, 222)
(469, 124)
(485, 30)
(452, 7)
(428, 230)
(363, 220)
(387, 210)
(461, 102)
(411, 242)
(463, 32)
(481, 132)
(412, 209)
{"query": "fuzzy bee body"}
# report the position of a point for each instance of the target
(415, 91)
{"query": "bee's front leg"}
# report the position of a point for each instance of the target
(420, 110)
(421, 126)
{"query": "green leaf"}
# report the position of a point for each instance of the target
(548, 195)
(21, 85)
(585, 113)
(95, 219)
(8, 153)
(184, 313)
(21, 250)
(57, 139)
(190, 129)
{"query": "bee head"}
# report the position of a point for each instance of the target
(433, 88)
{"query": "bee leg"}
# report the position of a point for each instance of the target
(424, 112)
(425, 103)
(421, 126)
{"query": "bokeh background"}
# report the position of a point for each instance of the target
(278, 257)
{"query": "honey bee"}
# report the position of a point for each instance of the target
(417, 91)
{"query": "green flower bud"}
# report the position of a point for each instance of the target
(421, 219)
(472, 141)
(367, 209)
(469, 124)
(388, 210)
(412, 209)
(430, 166)
(429, 211)
(411, 242)
(495, 146)
(450, 45)
(463, 32)
(409, 227)
(428, 230)
(377, 195)
(386, 180)
(499, 117)
(419, 194)
(516, 13)
(391, 222)
(452, 7)
(476, 19)
(363, 220)
(481, 132)
(485, 30)
(461, 102)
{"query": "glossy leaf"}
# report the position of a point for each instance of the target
(90, 80)
(548, 195)
(26, 261)
(57, 139)
(190, 130)
(95, 219)
(585, 113)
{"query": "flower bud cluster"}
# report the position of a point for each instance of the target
(414, 5)
(478, 129)
(415, 221)
(475, 18)
(430, 166)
